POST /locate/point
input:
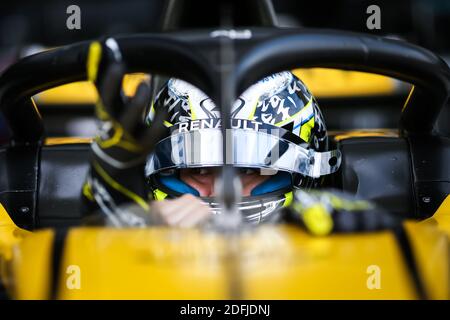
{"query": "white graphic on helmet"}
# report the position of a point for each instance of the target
(280, 99)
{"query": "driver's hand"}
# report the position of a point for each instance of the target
(120, 149)
(324, 212)
(185, 212)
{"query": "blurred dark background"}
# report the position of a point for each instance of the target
(425, 22)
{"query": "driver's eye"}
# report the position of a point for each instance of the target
(248, 172)
(201, 171)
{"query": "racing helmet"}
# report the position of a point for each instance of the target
(276, 127)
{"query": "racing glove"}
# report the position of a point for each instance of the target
(120, 149)
(324, 212)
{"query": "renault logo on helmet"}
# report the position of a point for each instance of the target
(215, 123)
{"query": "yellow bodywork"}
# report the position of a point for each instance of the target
(84, 92)
(325, 82)
(348, 134)
(266, 262)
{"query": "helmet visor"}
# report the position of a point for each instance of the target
(244, 148)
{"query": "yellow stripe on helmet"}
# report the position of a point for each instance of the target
(305, 130)
(291, 118)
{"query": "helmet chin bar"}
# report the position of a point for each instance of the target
(253, 210)
(232, 219)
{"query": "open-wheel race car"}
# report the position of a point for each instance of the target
(45, 240)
